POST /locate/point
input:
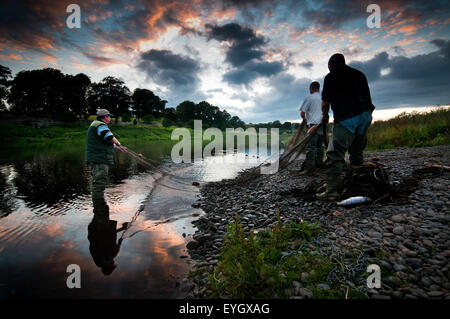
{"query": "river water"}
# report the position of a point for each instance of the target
(45, 211)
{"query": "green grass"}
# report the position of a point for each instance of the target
(411, 130)
(18, 133)
(254, 267)
(406, 130)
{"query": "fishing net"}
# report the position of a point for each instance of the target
(370, 180)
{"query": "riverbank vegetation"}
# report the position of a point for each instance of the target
(277, 263)
(412, 130)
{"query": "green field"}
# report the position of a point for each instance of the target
(411, 130)
(407, 129)
(13, 133)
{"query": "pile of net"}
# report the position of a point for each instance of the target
(371, 180)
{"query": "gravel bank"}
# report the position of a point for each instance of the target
(410, 241)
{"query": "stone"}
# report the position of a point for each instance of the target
(375, 234)
(397, 294)
(398, 218)
(192, 245)
(426, 281)
(398, 230)
(323, 287)
(428, 243)
(304, 277)
(379, 296)
(435, 294)
(304, 292)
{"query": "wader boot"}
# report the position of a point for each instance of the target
(309, 168)
(101, 210)
(332, 188)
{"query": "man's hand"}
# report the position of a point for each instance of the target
(115, 141)
(120, 148)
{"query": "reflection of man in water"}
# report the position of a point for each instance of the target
(99, 155)
(103, 246)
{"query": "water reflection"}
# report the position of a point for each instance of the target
(47, 223)
(48, 180)
(103, 244)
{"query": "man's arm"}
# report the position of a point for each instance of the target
(115, 141)
(325, 110)
(303, 115)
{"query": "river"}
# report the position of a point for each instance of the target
(46, 209)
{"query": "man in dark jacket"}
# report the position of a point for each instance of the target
(99, 155)
(347, 90)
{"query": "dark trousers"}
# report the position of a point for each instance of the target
(314, 151)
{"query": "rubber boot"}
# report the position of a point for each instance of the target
(309, 168)
(332, 189)
(101, 210)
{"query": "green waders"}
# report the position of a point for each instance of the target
(99, 173)
(314, 153)
(342, 140)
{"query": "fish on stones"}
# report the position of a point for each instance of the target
(356, 200)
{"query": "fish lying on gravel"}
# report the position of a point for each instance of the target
(356, 200)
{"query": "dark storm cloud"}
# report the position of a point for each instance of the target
(399, 50)
(167, 68)
(417, 80)
(285, 96)
(244, 43)
(24, 26)
(307, 64)
(372, 68)
(244, 52)
(332, 15)
(252, 70)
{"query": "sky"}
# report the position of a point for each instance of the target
(254, 58)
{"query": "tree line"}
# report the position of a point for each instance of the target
(49, 93)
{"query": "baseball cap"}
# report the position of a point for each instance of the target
(103, 112)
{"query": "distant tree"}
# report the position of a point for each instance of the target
(111, 94)
(222, 120)
(5, 74)
(287, 126)
(205, 112)
(169, 113)
(76, 93)
(235, 122)
(38, 93)
(148, 119)
(276, 124)
(185, 111)
(146, 102)
(167, 122)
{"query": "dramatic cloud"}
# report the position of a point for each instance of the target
(251, 71)
(307, 65)
(332, 15)
(244, 46)
(418, 80)
(244, 53)
(247, 55)
(173, 70)
(285, 96)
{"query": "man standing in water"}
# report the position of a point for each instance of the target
(99, 155)
(347, 90)
(311, 112)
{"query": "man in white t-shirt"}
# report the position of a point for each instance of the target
(311, 110)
